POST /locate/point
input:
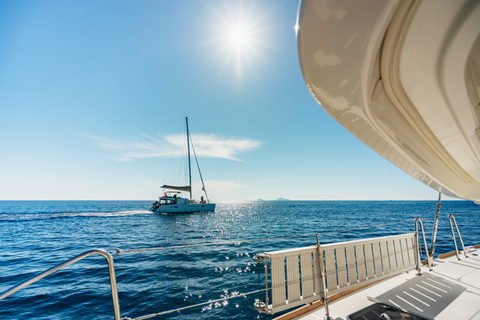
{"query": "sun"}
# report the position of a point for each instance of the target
(239, 36)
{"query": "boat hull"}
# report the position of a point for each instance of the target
(186, 208)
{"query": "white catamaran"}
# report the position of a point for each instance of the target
(173, 202)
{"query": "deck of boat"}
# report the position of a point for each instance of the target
(451, 290)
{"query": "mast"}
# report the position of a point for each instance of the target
(189, 165)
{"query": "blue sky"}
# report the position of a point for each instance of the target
(94, 95)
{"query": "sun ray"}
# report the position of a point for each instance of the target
(239, 37)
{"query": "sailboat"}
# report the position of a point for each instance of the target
(172, 200)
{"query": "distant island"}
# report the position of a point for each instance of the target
(279, 199)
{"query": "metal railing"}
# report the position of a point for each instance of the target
(419, 224)
(450, 219)
(111, 271)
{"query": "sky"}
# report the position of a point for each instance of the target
(94, 95)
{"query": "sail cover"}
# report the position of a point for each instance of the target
(179, 188)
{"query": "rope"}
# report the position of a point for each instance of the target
(202, 244)
(118, 251)
(463, 214)
(453, 214)
(470, 234)
(374, 226)
(214, 301)
(194, 305)
(463, 236)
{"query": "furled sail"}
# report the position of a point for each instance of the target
(179, 188)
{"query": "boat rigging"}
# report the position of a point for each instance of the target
(172, 200)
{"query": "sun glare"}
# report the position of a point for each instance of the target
(239, 36)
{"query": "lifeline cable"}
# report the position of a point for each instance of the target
(192, 306)
(118, 251)
(463, 236)
(242, 294)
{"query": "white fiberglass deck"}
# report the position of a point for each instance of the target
(451, 290)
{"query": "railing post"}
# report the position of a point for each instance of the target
(322, 276)
(417, 252)
(429, 262)
(259, 305)
(453, 236)
(459, 236)
(266, 283)
(113, 283)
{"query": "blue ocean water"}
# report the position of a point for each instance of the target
(38, 235)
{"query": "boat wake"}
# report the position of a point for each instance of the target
(44, 216)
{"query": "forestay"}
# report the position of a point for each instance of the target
(295, 274)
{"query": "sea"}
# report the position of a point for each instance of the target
(183, 266)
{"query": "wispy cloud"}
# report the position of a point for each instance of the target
(144, 146)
